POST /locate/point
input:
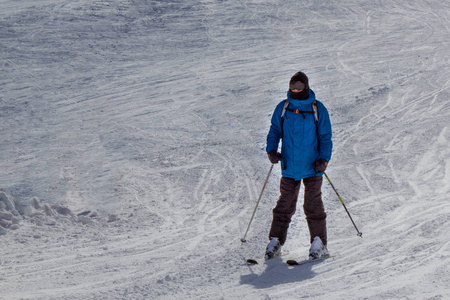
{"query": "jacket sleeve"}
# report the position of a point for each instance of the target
(274, 135)
(325, 133)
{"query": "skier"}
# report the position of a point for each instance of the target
(305, 153)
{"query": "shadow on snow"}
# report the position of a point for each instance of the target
(278, 272)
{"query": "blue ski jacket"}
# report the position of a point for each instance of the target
(302, 142)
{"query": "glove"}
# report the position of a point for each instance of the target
(320, 165)
(274, 156)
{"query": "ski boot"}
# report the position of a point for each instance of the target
(318, 250)
(273, 248)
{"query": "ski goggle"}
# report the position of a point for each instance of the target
(297, 85)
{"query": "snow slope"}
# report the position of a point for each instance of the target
(152, 116)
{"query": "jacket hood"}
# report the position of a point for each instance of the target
(296, 102)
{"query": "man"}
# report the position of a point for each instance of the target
(305, 153)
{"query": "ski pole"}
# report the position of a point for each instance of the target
(243, 240)
(359, 233)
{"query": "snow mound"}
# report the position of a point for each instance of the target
(13, 212)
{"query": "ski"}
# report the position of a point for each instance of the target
(293, 262)
(252, 261)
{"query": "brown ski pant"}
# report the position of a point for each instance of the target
(312, 207)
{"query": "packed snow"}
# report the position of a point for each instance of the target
(132, 147)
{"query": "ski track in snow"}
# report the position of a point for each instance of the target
(157, 113)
